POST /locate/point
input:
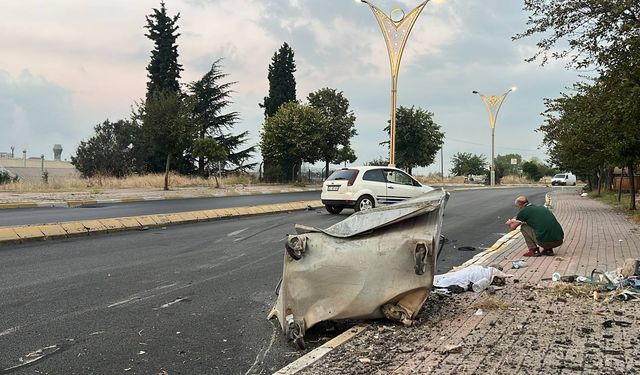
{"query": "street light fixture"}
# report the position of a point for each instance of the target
(493, 104)
(395, 29)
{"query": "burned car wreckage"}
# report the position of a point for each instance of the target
(376, 263)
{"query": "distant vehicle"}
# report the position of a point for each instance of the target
(362, 188)
(564, 179)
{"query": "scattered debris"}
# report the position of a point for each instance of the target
(364, 360)
(490, 303)
(452, 349)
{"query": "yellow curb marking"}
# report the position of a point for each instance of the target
(28, 232)
(74, 228)
(53, 230)
(8, 235)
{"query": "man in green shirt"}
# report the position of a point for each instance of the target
(538, 226)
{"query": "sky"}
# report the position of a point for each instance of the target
(68, 65)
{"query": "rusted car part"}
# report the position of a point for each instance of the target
(375, 263)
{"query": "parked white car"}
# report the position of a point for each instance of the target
(362, 188)
(564, 179)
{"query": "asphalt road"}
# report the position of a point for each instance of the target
(58, 214)
(191, 299)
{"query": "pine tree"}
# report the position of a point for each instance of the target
(211, 97)
(282, 83)
(163, 69)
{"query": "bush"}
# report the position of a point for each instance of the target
(7, 177)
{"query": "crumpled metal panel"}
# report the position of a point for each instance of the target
(375, 263)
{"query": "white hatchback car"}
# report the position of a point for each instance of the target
(362, 188)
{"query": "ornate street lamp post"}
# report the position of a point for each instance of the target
(395, 28)
(493, 104)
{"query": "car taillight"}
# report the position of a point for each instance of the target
(353, 178)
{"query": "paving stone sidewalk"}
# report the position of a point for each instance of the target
(532, 326)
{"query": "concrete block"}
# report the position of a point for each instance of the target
(113, 225)
(146, 221)
(74, 228)
(94, 226)
(53, 230)
(29, 232)
(130, 222)
(8, 235)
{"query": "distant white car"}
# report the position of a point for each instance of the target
(362, 188)
(564, 179)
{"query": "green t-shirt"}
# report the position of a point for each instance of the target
(542, 221)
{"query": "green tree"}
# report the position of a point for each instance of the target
(380, 161)
(211, 97)
(167, 129)
(591, 32)
(601, 34)
(282, 83)
(291, 137)
(418, 138)
(345, 154)
(163, 69)
(208, 149)
(341, 124)
(504, 166)
(531, 170)
(465, 163)
(108, 152)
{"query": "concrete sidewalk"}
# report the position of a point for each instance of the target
(532, 326)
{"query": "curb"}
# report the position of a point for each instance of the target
(26, 233)
(319, 352)
(89, 202)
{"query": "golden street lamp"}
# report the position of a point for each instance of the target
(395, 28)
(493, 104)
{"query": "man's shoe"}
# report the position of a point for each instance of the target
(548, 252)
(532, 253)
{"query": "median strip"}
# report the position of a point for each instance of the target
(25, 233)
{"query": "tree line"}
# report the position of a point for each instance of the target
(595, 126)
(187, 128)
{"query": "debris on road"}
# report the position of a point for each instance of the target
(376, 263)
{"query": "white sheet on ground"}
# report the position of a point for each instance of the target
(467, 275)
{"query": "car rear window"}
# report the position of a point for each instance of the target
(342, 174)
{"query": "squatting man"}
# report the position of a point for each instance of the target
(538, 226)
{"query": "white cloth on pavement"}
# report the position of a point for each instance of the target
(466, 276)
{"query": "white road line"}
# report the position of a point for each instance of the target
(172, 303)
(236, 232)
(9, 331)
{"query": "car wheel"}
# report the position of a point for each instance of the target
(574, 184)
(333, 209)
(364, 203)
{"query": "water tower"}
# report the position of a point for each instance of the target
(57, 152)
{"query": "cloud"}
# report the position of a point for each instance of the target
(34, 113)
(84, 62)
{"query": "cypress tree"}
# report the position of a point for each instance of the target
(163, 69)
(282, 83)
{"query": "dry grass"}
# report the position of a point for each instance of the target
(96, 184)
(520, 180)
(560, 289)
(490, 303)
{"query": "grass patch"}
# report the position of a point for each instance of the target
(611, 198)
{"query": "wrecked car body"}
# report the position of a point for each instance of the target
(375, 263)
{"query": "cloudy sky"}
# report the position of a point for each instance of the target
(68, 65)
